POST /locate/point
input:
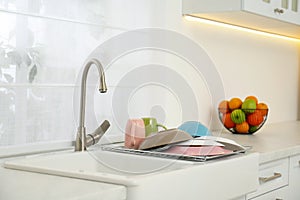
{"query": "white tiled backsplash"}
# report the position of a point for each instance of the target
(43, 45)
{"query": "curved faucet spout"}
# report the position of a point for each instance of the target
(80, 144)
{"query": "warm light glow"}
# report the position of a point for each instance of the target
(207, 21)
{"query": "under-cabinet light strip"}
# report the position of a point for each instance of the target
(211, 22)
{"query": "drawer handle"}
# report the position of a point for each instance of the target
(270, 178)
(299, 162)
(278, 11)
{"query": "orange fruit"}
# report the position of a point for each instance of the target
(253, 98)
(242, 128)
(235, 103)
(256, 118)
(263, 108)
(226, 119)
(223, 106)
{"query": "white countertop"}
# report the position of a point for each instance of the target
(16, 185)
(272, 141)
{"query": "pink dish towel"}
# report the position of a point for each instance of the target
(134, 133)
(198, 150)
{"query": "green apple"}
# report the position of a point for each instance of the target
(253, 129)
(238, 116)
(249, 106)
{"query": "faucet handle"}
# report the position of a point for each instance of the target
(104, 126)
(93, 138)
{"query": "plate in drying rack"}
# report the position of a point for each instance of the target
(159, 152)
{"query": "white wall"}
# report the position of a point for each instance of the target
(64, 33)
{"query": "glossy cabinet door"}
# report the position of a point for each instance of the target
(294, 177)
(283, 10)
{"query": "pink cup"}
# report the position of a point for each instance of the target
(134, 133)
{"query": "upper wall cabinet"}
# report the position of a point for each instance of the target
(274, 16)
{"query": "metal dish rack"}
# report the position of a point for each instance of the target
(158, 152)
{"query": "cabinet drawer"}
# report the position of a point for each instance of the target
(294, 180)
(295, 162)
(272, 175)
(279, 194)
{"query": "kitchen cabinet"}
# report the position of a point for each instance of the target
(294, 177)
(279, 194)
(272, 176)
(281, 17)
(283, 10)
(283, 184)
(279, 147)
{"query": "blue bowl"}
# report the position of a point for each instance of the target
(194, 128)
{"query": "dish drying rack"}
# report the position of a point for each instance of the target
(158, 152)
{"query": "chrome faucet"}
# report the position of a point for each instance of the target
(83, 140)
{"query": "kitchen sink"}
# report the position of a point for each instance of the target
(151, 177)
(98, 165)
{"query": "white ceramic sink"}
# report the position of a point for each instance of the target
(98, 165)
(150, 177)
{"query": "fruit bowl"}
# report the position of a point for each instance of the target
(243, 117)
(252, 128)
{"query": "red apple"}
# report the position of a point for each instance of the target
(255, 119)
